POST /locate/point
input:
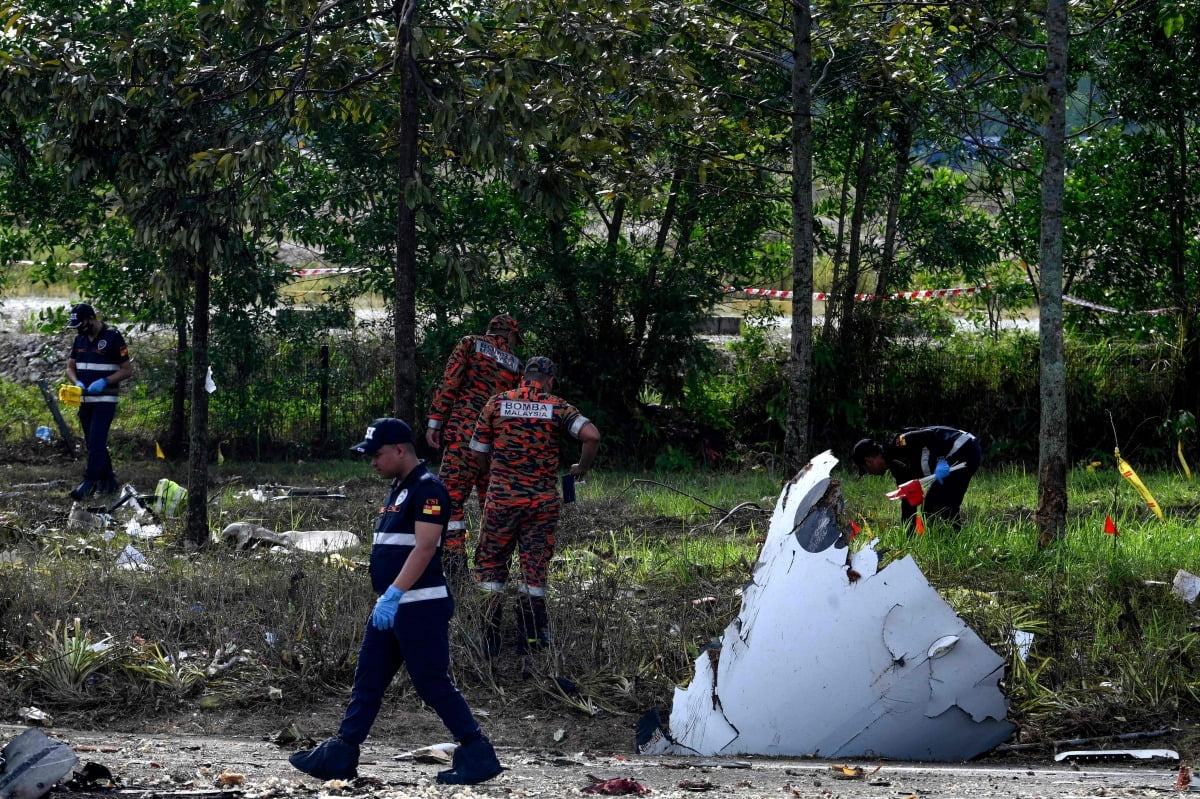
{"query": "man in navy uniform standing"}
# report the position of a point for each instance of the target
(410, 624)
(98, 363)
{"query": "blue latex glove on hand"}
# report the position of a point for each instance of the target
(98, 385)
(941, 470)
(79, 384)
(383, 617)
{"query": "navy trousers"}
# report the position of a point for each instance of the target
(96, 418)
(420, 641)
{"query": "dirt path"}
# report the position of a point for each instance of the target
(191, 767)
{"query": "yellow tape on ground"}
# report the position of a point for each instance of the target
(1182, 460)
(1129, 474)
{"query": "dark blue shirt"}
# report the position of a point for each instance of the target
(419, 497)
(97, 359)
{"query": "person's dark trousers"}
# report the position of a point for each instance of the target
(96, 418)
(420, 640)
(944, 499)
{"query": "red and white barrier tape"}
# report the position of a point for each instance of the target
(923, 294)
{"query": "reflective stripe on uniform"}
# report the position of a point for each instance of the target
(490, 587)
(531, 590)
(97, 367)
(90, 398)
(477, 447)
(421, 594)
(434, 424)
(578, 425)
(460, 525)
(958, 442)
(396, 539)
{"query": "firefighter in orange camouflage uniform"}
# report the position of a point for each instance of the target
(519, 432)
(478, 368)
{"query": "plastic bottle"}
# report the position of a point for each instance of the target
(43, 433)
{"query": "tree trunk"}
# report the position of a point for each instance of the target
(797, 440)
(1052, 455)
(404, 306)
(196, 530)
(178, 426)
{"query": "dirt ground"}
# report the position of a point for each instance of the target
(184, 765)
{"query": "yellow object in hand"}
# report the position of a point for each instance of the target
(70, 395)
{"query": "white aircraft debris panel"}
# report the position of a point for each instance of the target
(832, 656)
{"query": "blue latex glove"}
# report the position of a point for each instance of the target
(941, 470)
(79, 384)
(97, 385)
(384, 614)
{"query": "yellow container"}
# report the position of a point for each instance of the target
(70, 395)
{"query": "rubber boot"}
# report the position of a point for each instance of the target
(534, 626)
(473, 763)
(333, 760)
(107, 487)
(493, 632)
(83, 490)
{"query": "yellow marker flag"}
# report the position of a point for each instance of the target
(1182, 460)
(1129, 474)
(220, 456)
(158, 453)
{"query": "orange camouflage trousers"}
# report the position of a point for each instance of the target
(527, 525)
(460, 473)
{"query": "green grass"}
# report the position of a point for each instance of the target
(649, 569)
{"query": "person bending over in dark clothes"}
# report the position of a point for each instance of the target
(920, 452)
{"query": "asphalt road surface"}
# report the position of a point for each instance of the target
(213, 767)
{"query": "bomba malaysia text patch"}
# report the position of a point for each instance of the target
(526, 410)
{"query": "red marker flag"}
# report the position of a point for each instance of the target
(854, 529)
(920, 524)
(911, 492)
(1110, 526)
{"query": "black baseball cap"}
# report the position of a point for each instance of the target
(383, 431)
(862, 450)
(80, 313)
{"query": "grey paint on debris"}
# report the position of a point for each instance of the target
(832, 656)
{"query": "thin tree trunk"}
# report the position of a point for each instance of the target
(797, 440)
(404, 305)
(196, 529)
(178, 430)
(1052, 455)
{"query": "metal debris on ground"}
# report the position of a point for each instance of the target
(1081, 755)
(617, 786)
(818, 664)
(244, 535)
(32, 764)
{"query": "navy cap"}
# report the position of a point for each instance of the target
(542, 366)
(864, 449)
(383, 431)
(80, 313)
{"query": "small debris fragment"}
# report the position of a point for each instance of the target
(1185, 777)
(617, 786)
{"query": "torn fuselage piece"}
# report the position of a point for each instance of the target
(832, 656)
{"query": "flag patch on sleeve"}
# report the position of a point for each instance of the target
(432, 505)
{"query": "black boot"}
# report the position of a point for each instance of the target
(107, 487)
(534, 626)
(473, 763)
(83, 490)
(333, 760)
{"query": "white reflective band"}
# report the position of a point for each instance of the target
(531, 590)
(434, 424)
(578, 425)
(421, 594)
(925, 461)
(477, 447)
(491, 588)
(958, 442)
(90, 398)
(97, 367)
(456, 526)
(396, 539)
